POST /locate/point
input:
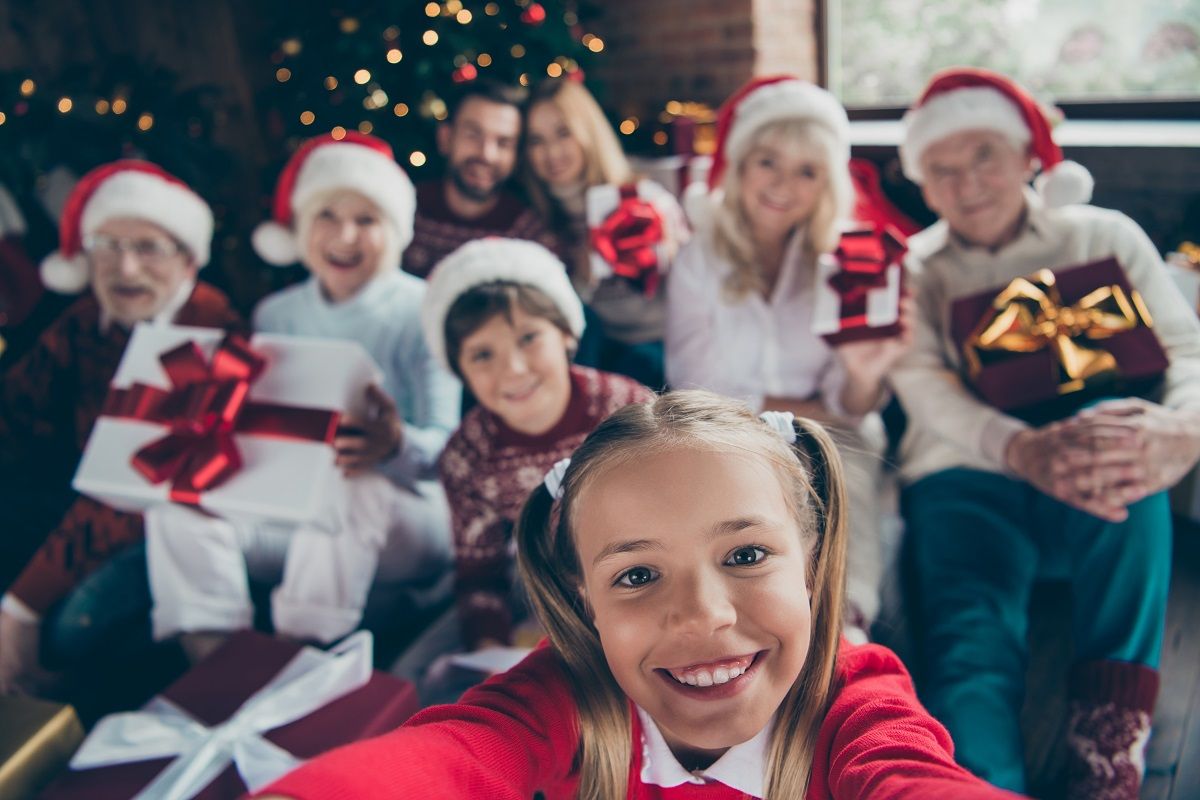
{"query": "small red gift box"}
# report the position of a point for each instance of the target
(857, 289)
(628, 233)
(1046, 343)
(227, 711)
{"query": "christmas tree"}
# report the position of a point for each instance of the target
(389, 68)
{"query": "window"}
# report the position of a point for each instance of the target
(880, 53)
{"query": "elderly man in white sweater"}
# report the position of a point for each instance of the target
(993, 503)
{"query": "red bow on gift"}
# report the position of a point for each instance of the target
(627, 239)
(863, 256)
(208, 402)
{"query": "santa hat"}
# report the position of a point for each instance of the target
(489, 260)
(966, 99)
(760, 102)
(126, 188)
(357, 162)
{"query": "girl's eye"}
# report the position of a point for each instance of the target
(746, 556)
(638, 576)
(529, 338)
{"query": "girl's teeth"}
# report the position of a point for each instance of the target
(705, 678)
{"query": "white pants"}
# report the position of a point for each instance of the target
(371, 530)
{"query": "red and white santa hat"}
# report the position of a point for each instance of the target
(967, 99)
(127, 188)
(762, 101)
(357, 162)
(489, 260)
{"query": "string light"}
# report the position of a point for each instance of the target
(348, 25)
(145, 121)
(459, 60)
(453, 6)
(331, 83)
(290, 47)
(553, 70)
(571, 18)
(596, 44)
(102, 106)
(660, 137)
(437, 107)
(517, 50)
(3, 118)
(429, 37)
(362, 76)
(400, 109)
(307, 118)
(338, 133)
(119, 105)
(64, 105)
(416, 158)
(392, 33)
(432, 9)
(524, 79)
(379, 96)
(674, 107)
(491, 9)
(463, 17)
(28, 87)
(484, 60)
(394, 55)
(365, 126)
(629, 125)
(283, 74)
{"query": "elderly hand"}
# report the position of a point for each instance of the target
(367, 440)
(1129, 449)
(20, 671)
(1037, 455)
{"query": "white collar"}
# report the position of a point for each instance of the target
(164, 316)
(743, 767)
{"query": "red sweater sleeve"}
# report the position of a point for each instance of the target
(878, 742)
(505, 740)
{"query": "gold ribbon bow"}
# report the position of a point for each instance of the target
(1029, 315)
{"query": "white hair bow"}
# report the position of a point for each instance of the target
(554, 478)
(781, 423)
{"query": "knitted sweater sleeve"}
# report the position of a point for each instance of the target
(878, 742)
(506, 739)
(35, 400)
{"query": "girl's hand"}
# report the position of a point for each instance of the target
(20, 672)
(365, 441)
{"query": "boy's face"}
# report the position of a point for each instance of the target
(137, 269)
(480, 146)
(975, 180)
(694, 572)
(781, 185)
(519, 370)
(345, 244)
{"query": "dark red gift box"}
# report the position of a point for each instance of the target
(217, 687)
(1032, 385)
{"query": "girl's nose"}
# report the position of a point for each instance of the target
(701, 605)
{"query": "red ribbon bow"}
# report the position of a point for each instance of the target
(627, 238)
(208, 402)
(863, 256)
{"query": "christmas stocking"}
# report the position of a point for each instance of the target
(1111, 705)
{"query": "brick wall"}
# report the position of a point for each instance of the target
(699, 50)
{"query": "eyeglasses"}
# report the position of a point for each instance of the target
(108, 249)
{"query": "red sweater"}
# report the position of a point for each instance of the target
(49, 402)
(489, 470)
(516, 734)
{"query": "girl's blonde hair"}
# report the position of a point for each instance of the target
(307, 213)
(811, 474)
(731, 237)
(604, 160)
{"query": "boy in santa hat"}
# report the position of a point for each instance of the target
(344, 208)
(993, 503)
(138, 236)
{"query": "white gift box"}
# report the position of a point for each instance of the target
(602, 200)
(882, 308)
(280, 478)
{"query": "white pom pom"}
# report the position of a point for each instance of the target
(698, 204)
(1069, 183)
(275, 244)
(65, 275)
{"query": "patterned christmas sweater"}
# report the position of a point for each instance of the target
(49, 402)
(489, 470)
(438, 231)
(518, 734)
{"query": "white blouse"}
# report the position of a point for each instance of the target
(748, 348)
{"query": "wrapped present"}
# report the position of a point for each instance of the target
(243, 717)
(239, 428)
(37, 738)
(1066, 335)
(627, 234)
(857, 289)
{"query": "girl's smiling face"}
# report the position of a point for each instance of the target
(694, 572)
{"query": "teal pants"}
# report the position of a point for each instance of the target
(977, 542)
